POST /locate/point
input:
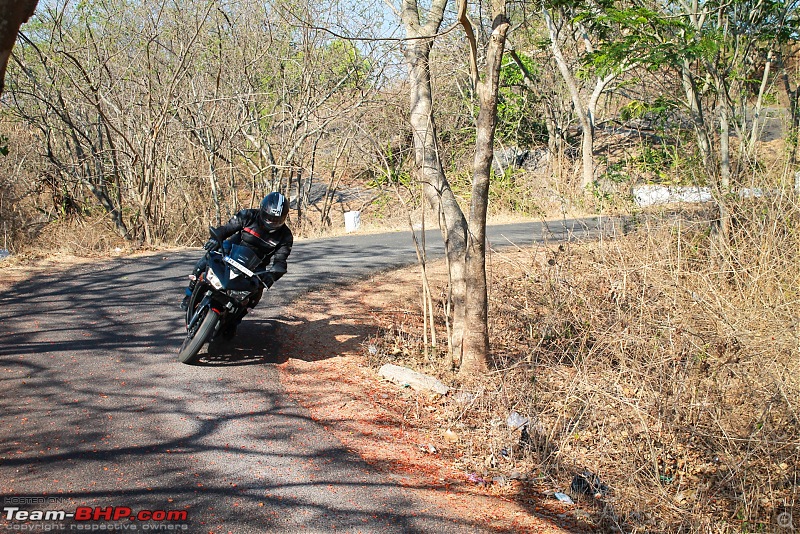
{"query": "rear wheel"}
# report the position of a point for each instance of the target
(198, 334)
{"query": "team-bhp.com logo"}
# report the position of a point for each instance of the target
(94, 518)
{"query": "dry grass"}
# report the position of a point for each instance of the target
(659, 360)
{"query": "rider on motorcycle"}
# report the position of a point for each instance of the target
(264, 230)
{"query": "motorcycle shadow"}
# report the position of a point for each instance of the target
(253, 344)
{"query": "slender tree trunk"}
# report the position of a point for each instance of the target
(214, 184)
(724, 148)
(793, 97)
(436, 188)
(698, 118)
(555, 139)
(587, 153)
(299, 201)
(755, 130)
(476, 334)
(584, 117)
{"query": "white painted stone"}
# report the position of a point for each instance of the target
(405, 376)
(652, 195)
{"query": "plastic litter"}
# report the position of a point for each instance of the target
(563, 497)
(465, 397)
(405, 377)
(352, 221)
(516, 421)
(475, 479)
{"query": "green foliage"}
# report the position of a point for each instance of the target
(346, 63)
(603, 198)
(394, 173)
(668, 163)
(511, 75)
(658, 160)
(383, 207)
(616, 173)
(509, 192)
(633, 35)
(658, 112)
(517, 120)
(3, 145)
(517, 113)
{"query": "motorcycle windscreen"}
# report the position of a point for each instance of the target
(245, 256)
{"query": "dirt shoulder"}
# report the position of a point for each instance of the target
(393, 428)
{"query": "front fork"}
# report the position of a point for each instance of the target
(200, 298)
(194, 299)
(194, 313)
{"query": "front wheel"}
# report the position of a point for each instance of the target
(198, 334)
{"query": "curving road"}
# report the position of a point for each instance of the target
(97, 412)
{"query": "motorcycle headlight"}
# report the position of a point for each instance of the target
(213, 280)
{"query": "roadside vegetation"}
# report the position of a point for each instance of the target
(663, 359)
(644, 359)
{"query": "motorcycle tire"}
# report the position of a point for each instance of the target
(196, 337)
(194, 300)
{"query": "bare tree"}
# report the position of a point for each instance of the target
(562, 25)
(476, 334)
(464, 241)
(428, 162)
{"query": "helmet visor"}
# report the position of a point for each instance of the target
(271, 222)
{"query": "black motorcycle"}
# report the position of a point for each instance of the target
(221, 297)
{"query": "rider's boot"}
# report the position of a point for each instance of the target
(189, 290)
(230, 329)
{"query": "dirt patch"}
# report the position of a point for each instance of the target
(396, 429)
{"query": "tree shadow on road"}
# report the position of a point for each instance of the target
(256, 343)
(316, 327)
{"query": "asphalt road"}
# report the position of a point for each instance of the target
(97, 412)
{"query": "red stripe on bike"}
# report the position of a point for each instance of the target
(253, 232)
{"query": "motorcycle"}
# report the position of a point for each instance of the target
(221, 297)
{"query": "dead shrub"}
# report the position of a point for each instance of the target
(665, 361)
(77, 237)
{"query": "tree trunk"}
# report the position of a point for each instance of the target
(696, 113)
(476, 334)
(793, 97)
(587, 153)
(436, 188)
(755, 130)
(724, 148)
(12, 14)
(584, 117)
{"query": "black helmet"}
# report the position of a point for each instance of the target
(274, 210)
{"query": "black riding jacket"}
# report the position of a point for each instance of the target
(275, 245)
